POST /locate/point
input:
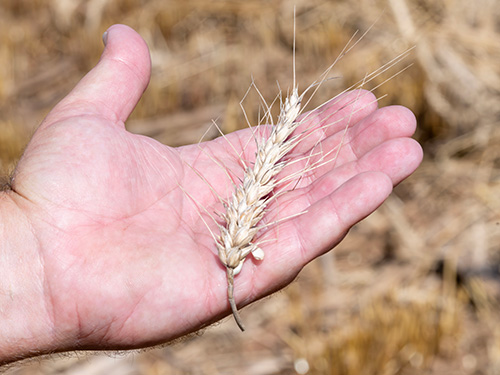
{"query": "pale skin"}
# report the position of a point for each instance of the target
(103, 245)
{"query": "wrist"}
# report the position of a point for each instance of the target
(26, 327)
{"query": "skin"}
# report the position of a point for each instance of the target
(105, 242)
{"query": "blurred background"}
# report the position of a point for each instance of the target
(414, 288)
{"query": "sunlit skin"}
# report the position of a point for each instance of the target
(112, 226)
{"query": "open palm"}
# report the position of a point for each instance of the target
(122, 220)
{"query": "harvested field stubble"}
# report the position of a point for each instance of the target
(415, 286)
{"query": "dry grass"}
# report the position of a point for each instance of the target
(382, 337)
(428, 260)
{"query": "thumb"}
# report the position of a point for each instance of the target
(113, 87)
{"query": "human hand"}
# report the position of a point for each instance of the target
(122, 255)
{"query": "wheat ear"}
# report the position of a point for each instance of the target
(246, 207)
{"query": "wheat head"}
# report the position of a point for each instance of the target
(246, 207)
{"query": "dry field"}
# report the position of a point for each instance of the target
(413, 289)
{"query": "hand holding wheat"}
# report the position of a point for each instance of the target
(121, 255)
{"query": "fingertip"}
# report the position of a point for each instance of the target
(405, 117)
(112, 89)
(402, 151)
(124, 44)
(416, 153)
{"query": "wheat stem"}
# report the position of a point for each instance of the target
(230, 296)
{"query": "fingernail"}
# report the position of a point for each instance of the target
(105, 38)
